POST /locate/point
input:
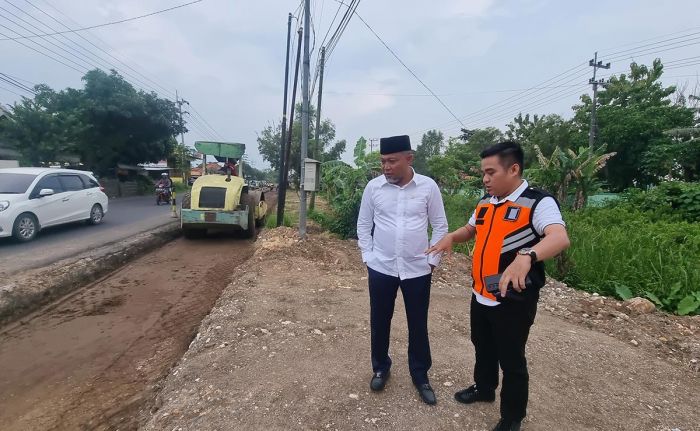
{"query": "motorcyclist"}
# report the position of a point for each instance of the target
(166, 184)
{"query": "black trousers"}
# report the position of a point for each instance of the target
(416, 297)
(499, 335)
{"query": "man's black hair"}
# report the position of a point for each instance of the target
(508, 152)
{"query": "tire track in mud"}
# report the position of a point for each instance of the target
(94, 361)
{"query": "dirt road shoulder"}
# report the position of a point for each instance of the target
(287, 347)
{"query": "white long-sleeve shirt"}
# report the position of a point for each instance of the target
(400, 216)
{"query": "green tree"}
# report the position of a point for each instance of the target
(547, 132)
(328, 148)
(447, 169)
(677, 157)
(478, 140)
(634, 111)
(123, 125)
(431, 145)
(104, 123)
(459, 167)
(181, 158)
(42, 129)
(260, 174)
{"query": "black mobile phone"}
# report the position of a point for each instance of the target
(492, 282)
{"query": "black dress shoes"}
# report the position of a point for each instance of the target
(472, 395)
(426, 393)
(379, 380)
(506, 425)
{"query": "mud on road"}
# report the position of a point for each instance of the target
(94, 359)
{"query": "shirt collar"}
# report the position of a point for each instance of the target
(513, 196)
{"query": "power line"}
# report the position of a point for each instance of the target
(141, 82)
(512, 111)
(541, 102)
(19, 79)
(648, 51)
(206, 123)
(323, 44)
(75, 53)
(344, 21)
(11, 91)
(47, 55)
(8, 79)
(681, 60)
(545, 102)
(80, 62)
(681, 66)
(348, 93)
(72, 51)
(340, 6)
(196, 126)
(526, 93)
(107, 23)
(405, 66)
(651, 38)
(654, 43)
(671, 46)
(137, 82)
(333, 41)
(169, 92)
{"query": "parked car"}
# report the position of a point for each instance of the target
(34, 198)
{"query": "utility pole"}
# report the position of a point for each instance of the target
(318, 150)
(283, 139)
(596, 64)
(371, 144)
(288, 146)
(179, 103)
(304, 118)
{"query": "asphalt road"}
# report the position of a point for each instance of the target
(126, 217)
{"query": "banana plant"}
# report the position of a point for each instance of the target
(567, 173)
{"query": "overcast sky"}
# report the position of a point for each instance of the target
(227, 57)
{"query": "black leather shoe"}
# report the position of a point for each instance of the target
(379, 380)
(472, 395)
(506, 425)
(426, 393)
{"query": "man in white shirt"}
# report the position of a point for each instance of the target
(516, 229)
(392, 231)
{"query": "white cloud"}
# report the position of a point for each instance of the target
(227, 57)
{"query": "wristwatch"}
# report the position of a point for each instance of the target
(528, 252)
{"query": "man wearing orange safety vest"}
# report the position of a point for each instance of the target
(516, 228)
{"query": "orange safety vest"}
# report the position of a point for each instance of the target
(501, 230)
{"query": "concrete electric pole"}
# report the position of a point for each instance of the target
(304, 117)
(594, 127)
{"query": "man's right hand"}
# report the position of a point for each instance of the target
(442, 246)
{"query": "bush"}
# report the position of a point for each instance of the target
(342, 187)
(458, 209)
(670, 200)
(624, 252)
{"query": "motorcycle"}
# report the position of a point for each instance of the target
(162, 195)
